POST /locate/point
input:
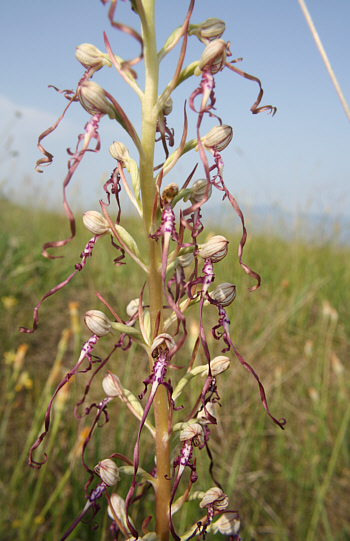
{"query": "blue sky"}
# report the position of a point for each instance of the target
(299, 159)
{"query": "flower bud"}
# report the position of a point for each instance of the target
(169, 192)
(215, 497)
(109, 385)
(118, 505)
(93, 98)
(198, 190)
(133, 307)
(218, 138)
(224, 293)
(168, 107)
(97, 322)
(164, 340)
(213, 57)
(219, 364)
(185, 260)
(193, 432)
(209, 30)
(119, 152)
(215, 249)
(91, 57)
(228, 524)
(108, 471)
(95, 222)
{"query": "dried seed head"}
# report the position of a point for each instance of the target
(215, 497)
(168, 107)
(218, 138)
(213, 57)
(91, 57)
(119, 152)
(95, 222)
(109, 385)
(93, 98)
(208, 30)
(198, 190)
(193, 432)
(224, 293)
(228, 524)
(133, 307)
(108, 471)
(97, 322)
(185, 260)
(164, 340)
(219, 364)
(169, 192)
(215, 249)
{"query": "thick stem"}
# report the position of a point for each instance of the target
(148, 133)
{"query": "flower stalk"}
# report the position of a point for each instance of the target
(176, 281)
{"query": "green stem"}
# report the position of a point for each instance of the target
(149, 122)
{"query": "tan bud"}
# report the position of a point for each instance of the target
(215, 497)
(193, 432)
(95, 222)
(219, 364)
(168, 107)
(109, 385)
(91, 57)
(118, 505)
(209, 30)
(133, 307)
(215, 249)
(164, 340)
(93, 98)
(97, 322)
(224, 293)
(169, 192)
(213, 57)
(228, 524)
(119, 152)
(108, 471)
(198, 190)
(185, 260)
(218, 138)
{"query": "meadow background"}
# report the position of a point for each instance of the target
(294, 330)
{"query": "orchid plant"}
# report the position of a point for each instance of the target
(179, 271)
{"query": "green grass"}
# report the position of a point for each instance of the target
(294, 330)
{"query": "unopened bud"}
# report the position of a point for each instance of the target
(95, 222)
(109, 385)
(168, 107)
(215, 497)
(169, 192)
(93, 98)
(208, 30)
(185, 260)
(213, 57)
(119, 152)
(215, 249)
(118, 505)
(219, 364)
(198, 190)
(91, 57)
(193, 432)
(228, 524)
(164, 340)
(97, 322)
(224, 294)
(133, 307)
(108, 471)
(218, 138)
